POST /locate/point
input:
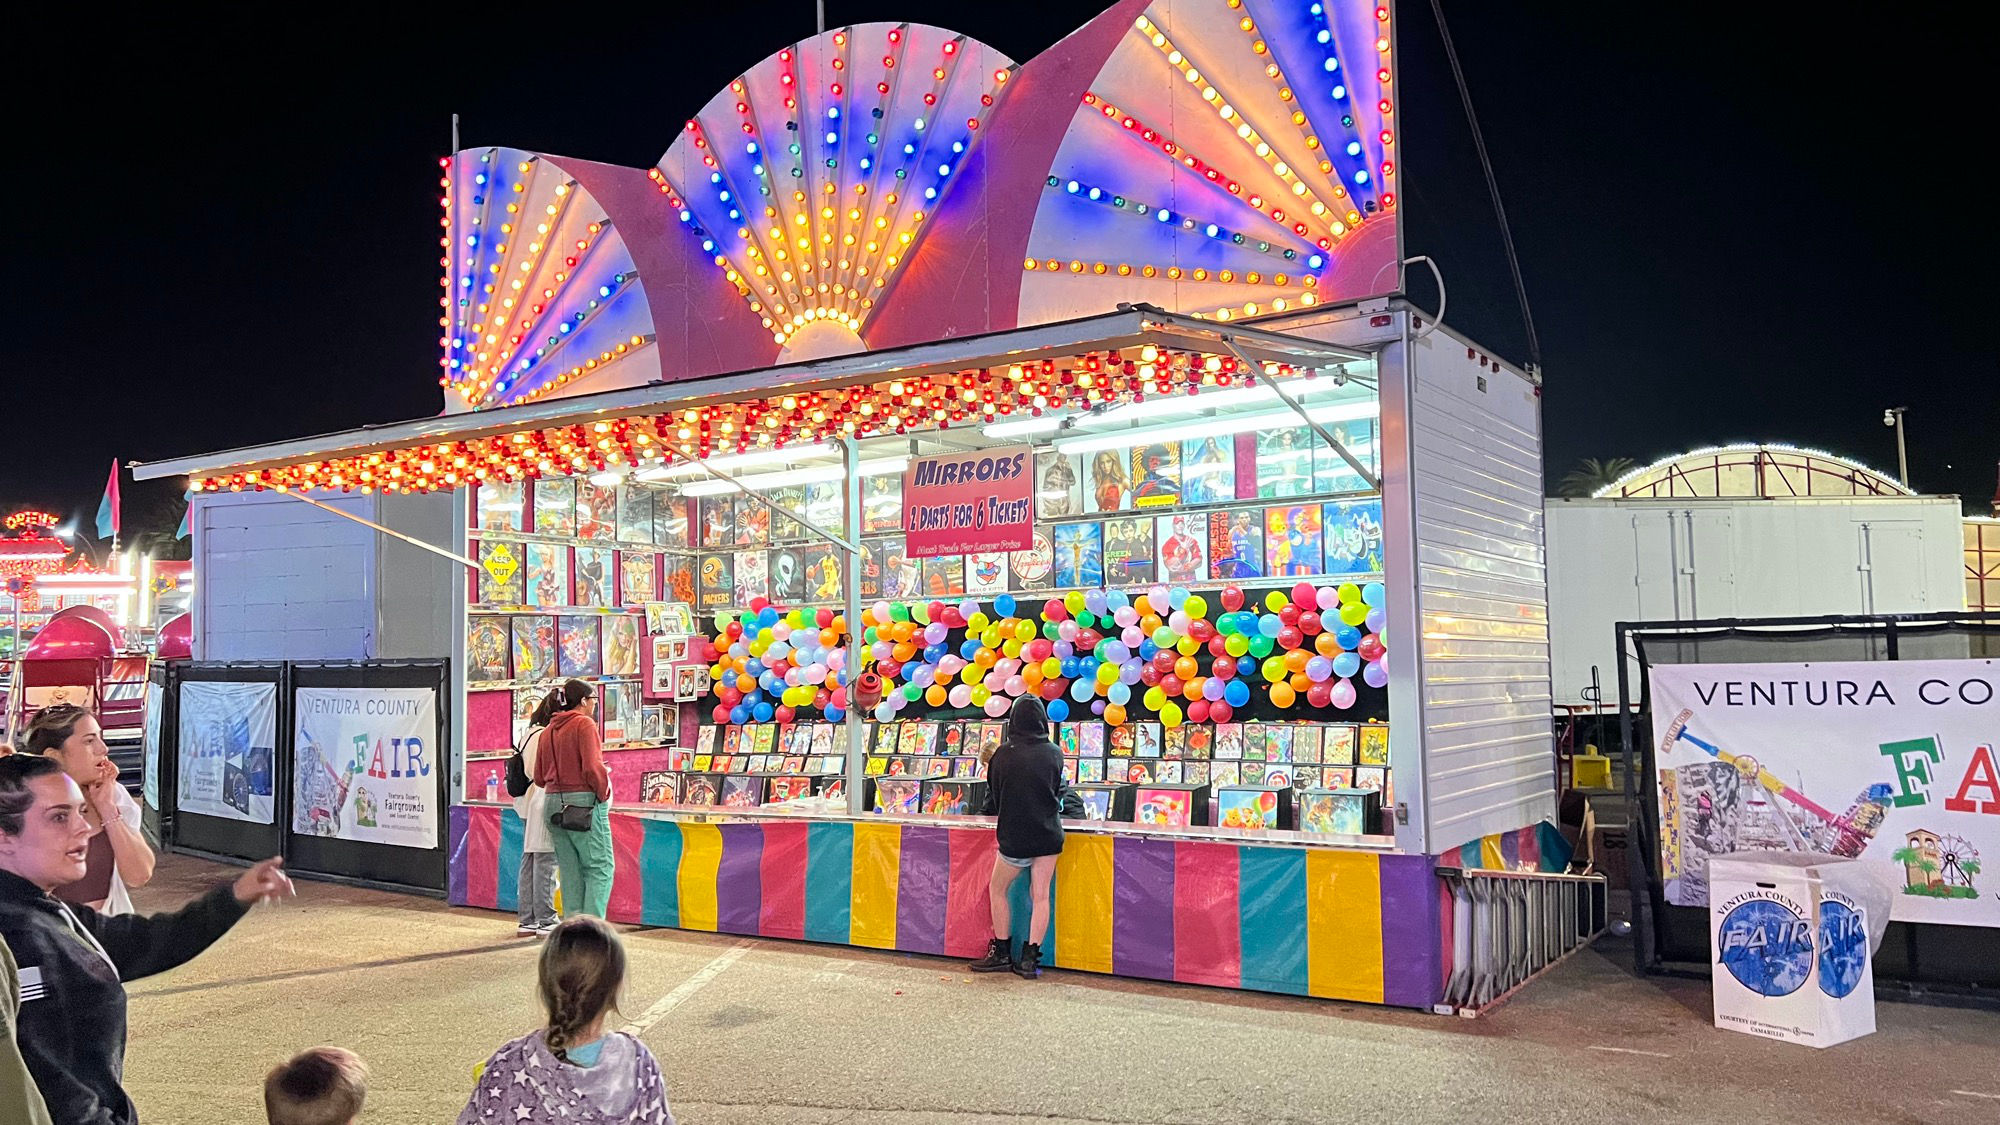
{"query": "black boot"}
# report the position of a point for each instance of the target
(1030, 964)
(998, 958)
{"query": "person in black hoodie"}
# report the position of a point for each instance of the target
(73, 960)
(1024, 789)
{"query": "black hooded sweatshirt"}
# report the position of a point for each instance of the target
(1024, 784)
(74, 962)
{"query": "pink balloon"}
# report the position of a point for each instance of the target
(996, 705)
(1343, 694)
(961, 695)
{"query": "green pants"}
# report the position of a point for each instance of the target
(584, 858)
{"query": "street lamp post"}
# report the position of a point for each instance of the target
(1894, 417)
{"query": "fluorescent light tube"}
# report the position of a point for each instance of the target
(881, 467)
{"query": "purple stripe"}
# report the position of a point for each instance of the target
(1142, 908)
(739, 883)
(923, 889)
(1412, 960)
(455, 868)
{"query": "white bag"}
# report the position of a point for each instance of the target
(1793, 934)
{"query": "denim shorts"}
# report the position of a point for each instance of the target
(1010, 861)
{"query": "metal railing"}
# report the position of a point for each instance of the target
(1509, 926)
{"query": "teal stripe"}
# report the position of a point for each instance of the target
(508, 886)
(829, 882)
(659, 873)
(1271, 898)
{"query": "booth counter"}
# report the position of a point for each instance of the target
(1351, 921)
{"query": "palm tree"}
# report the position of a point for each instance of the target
(1591, 475)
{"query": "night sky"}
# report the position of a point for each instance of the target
(1732, 227)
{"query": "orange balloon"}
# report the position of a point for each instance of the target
(985, 658)
(745, 684)
(1282, 694)
(1300, 682)
(1114, 714)
(1142, 604)
(828, 637)
(903, 652)
(1295, 659)
(1192, 689)
(1327, 646)
(934, 695)
(1031, 675)
(1186, 668)
(840, 622)
(1150, 624)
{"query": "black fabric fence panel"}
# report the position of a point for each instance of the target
(233, 747)
(162, 698)
(1916, 958)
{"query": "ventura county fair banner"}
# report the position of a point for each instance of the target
(365, 765)
(967, 503)
(1890, 761)
(227, 734)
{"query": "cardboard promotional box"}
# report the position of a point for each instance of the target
(1792, 934)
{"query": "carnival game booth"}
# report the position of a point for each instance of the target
(812, 502)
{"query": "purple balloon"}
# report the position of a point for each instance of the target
(1375, 674)
(1212, 688)
(1318, 669)
(1097, 707)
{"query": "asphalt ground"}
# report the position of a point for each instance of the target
(797, 1034)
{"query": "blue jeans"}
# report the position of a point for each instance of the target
(537, 890)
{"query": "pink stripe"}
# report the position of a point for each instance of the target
(1531, 849)
(1208, 939)
(968, 914)
(482, 857)
(783, 911)
(628, 883)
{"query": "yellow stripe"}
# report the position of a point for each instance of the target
(878, 853)
(1083, 904)
(1490, 856)
(1344, 925)
(701, 859)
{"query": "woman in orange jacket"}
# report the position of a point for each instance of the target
(569, 765)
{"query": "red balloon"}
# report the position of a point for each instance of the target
(838, 697)
(1370, 647)
(1232, 600)
(1200, 629)
(1320, 694)
(1197, 712)
(952, 618)
(1304, 595)
(1149, 675)
(733, 630)
(1171, 684)
(823, 618)
(1054, 610)
(721, 713)
(888, 668)
(758, 603)
(1164, 660)
(728, 694)
(1052, 688)
(1220, 712)
(1289, 615)
(1224, 667)
(1086, 639)
(1290, 637)
(1310, 624)
(784, 715)
(936, 611)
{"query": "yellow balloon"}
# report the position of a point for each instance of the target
(1051, 668)
(980, 695)
(1011, 649)
(1025, 631)
(1196, 606)
(976, 622)
(1187, 646)
(1170, 715)
(1277, 600)
(1354, 614)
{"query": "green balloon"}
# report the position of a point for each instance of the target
(899, 612)
(920, 612)
(1261, 646)
(912, 692)
(1052, 630)
(1086, 620)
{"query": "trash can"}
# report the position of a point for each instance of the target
(1793, 933)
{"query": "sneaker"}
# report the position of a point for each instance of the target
(998, 958)
(529, 931)
(1030, 964)
(545, 929)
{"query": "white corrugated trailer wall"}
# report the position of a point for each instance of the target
(1686, 559)
(1472, 494)
(1471, 749)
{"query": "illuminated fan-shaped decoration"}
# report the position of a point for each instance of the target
(539, 288)
(1231, 157)
(808, 180)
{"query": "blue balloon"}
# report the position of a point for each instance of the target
(1236, 694)
(1119, 693)
(1069, 667)
(1177, 597)
(1058, 710)
(835, 714)
(1004, 605)
(739, 714)
(1347, 637)
(1116, 599)
(1375, 594)
(1270, 625)
(885, 711)
(934, 653)
(764, 712)
(1147, 649)
(1346, 664)
(1082, 690)
(767, 617)
(969, 649)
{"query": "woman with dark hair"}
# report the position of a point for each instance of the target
(1024, 789)
(536, 886)
(570, 766)
(119, 855)
(74, 962)
(572, 1069)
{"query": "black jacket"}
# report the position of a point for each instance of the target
(72, 1025)
(1024, 785)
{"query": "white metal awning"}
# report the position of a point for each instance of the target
(1127, 327)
